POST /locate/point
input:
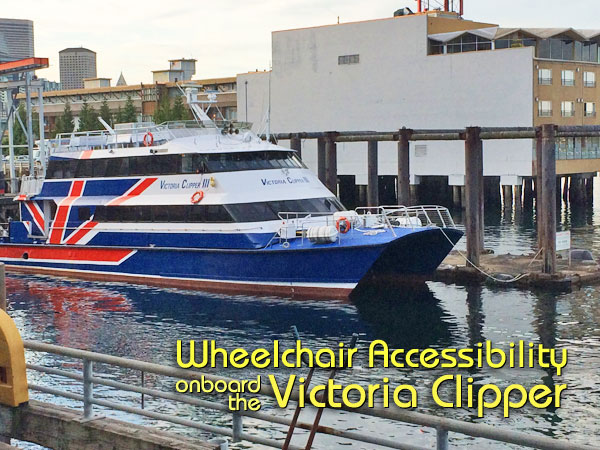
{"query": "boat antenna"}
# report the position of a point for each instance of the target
(198, 106)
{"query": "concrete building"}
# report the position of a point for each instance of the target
(16, 39)
(432, 70)
(76, 64)
(179, 70)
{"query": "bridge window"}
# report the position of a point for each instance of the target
(172, 164)
(241, 212)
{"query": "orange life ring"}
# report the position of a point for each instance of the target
(197, 196)
(342, 225)
(148, 139)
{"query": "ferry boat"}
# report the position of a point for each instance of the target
(208, 205)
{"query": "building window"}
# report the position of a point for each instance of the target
(568, 78)
(567, 109)
(590, 109)
(545, 108)
(545, 76)
(589, 79)
(348, 59)
(468, 43)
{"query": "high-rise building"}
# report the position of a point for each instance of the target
(16, 39)
(76, 64)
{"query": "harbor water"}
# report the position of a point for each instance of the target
(144, 323)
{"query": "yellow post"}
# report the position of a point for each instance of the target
(13, 377)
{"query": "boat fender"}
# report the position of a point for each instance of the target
(342, 225)
(197, 197)
(148, 139)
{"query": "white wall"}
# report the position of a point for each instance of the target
(395, 84)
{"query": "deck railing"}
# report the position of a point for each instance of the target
(89, 379)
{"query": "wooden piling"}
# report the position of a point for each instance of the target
(565, 189)
(321, 161)
(518, 196)
(456, 196)
(528, 193)
(589, 186)
(404, 167)
(538, 187)
(296, 144)
(507, 196)
(372, 174)
(473, 190)
(547, 215)
(331, 164)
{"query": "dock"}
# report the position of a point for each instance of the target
(522, 271)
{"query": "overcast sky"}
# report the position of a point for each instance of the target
(232, 36)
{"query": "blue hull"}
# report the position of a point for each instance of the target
(301, 268)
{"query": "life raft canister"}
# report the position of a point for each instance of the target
(197, 197)
(342, 225)
(148, 139)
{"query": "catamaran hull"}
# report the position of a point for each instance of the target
(319, 272)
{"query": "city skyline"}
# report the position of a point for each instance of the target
(232, 38)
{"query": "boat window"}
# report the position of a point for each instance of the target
(99, 168)
(84, 168)
(140, 165)
(172, 164)
(187, 163)
(241, 212)
(83, 213)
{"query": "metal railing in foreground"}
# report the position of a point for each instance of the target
(442, 425)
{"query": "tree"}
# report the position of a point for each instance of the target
(163, 112)
(88, 119)
(106, 114)
(119, 115)
(65, 123)
(129, 114)
(179, 111)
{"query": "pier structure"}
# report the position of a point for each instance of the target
(547, 191)
(435, 69)
(22, 74)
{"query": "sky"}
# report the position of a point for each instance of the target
(228, 37)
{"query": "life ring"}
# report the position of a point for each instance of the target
(148, 139)
(197, 196)
(342, 225)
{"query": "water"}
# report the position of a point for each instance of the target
(144, 323)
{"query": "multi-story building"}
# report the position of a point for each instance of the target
(145, 98)
(432, 70)
(76, 64)
(16, 39)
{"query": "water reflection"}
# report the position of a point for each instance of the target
(405, 316)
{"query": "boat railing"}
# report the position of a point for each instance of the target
(296, 224)
(31, 185)
(427, 215)
(135, 134)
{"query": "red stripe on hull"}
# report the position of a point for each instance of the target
(137, 190)
(59, 254)
(79, 234)
(297, 292)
